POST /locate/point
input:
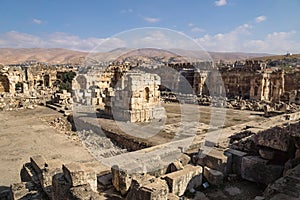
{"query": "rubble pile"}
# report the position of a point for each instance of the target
(99, 146)
(60, 123)
(266, 153)
(10, 102)
(61, 102)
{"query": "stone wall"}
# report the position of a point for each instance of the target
(136, 98)
(28, 85)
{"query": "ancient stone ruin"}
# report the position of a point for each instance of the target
(266, 153)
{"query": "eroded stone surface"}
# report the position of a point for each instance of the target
(258, 170)
(214, 177)
(147, 187)
(178, 181)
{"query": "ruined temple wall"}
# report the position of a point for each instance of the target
(277, 86)
(237, 83)
(256, 87)
(15, 75)
(136, 98)
(292, 81)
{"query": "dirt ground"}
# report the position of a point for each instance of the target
(24, 134)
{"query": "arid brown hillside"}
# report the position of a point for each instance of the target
(56, 55)
(53, 56)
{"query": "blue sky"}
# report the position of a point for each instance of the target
(270, 26)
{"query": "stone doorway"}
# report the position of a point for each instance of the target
(4, 84)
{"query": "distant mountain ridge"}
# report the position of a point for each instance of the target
(59, 55)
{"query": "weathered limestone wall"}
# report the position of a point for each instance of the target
(136, 98)
(265, 85)
(292, 81)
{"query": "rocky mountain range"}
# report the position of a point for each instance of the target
(58, 55)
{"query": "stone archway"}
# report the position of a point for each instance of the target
(4, 84)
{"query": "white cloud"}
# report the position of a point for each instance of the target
(230, 41)
(37, 21)
(191, 24)
(221, 3)
(20, 40)
(197, 29)
(56, 40)
(151, 19)
(276, 42)
(240, 39)
(260, 18)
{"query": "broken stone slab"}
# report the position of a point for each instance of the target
(60, 187)
(77, 175)
(179, 181)
(174, 166)
(38, 163)
(147, 187)
(52, 167)
(258, 170)
(104, 182)
(214, 177)
(287, 187)
(121, 179)
(184, 159)
(237, 157)
(83, 192)
(216, 159)
(180, 162)
(246, 144)
(18, 190)
(195, 182)
(275, 138)
(22, 191)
